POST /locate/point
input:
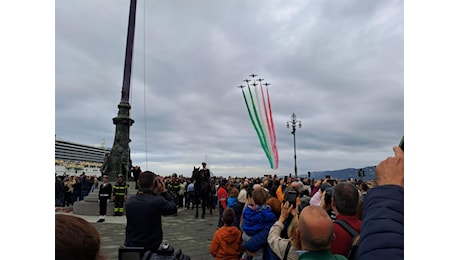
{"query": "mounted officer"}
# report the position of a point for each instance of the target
(205, 172)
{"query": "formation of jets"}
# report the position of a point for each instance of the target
(254, 84)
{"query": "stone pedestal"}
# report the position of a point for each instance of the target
(90, 206)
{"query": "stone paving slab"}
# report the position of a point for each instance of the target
(193, 236)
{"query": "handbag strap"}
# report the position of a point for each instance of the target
(288, 247)
(347, 227)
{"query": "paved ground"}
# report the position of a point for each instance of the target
(183, 231)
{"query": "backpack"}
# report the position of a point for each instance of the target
(353, 252)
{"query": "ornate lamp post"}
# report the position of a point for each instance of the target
(293, 124)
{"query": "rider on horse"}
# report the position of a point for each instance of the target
(205, 172)
(201, 177)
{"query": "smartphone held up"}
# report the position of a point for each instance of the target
(401, 143)
(291, 197)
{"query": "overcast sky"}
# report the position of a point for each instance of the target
(339, 65)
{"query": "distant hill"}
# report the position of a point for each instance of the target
(344, 174)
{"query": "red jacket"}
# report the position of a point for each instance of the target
(342, 241)
(227, 243)
(222, 197)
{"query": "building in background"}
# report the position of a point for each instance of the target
(74, 159)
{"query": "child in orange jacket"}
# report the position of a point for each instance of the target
(227, 242)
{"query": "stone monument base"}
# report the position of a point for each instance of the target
(90, 206)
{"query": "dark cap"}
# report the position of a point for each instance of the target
(203, 163)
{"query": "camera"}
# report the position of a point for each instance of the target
(328, 188)
(328, 196)
(165, 249)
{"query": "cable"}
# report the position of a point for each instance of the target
(145, 103)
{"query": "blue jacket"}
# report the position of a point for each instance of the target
(231, 201)
(255, 218)
(258, 241)
(382, 227)
(262, 219)
(143, 218)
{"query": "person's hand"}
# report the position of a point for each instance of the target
(391, 170)
(323, 199)
(160, 186)
(249, 253)
(286, 209)
(295, 211)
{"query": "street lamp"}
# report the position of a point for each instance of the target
(293, 124)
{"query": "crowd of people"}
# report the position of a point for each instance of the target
(71, 188)
(281, 218)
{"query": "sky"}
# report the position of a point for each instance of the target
(338, 65)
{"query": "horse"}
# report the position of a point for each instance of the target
(202, 191)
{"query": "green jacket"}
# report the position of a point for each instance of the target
(321, 255)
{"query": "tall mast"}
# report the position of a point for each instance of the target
(129, 52)
(118, 161)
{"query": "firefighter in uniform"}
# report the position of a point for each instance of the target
(120, 194)
(174, 187)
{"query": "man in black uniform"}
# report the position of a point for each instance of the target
(144, 211)
(105, 190)
(120, 194)
(205, 172)
(136, 170)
